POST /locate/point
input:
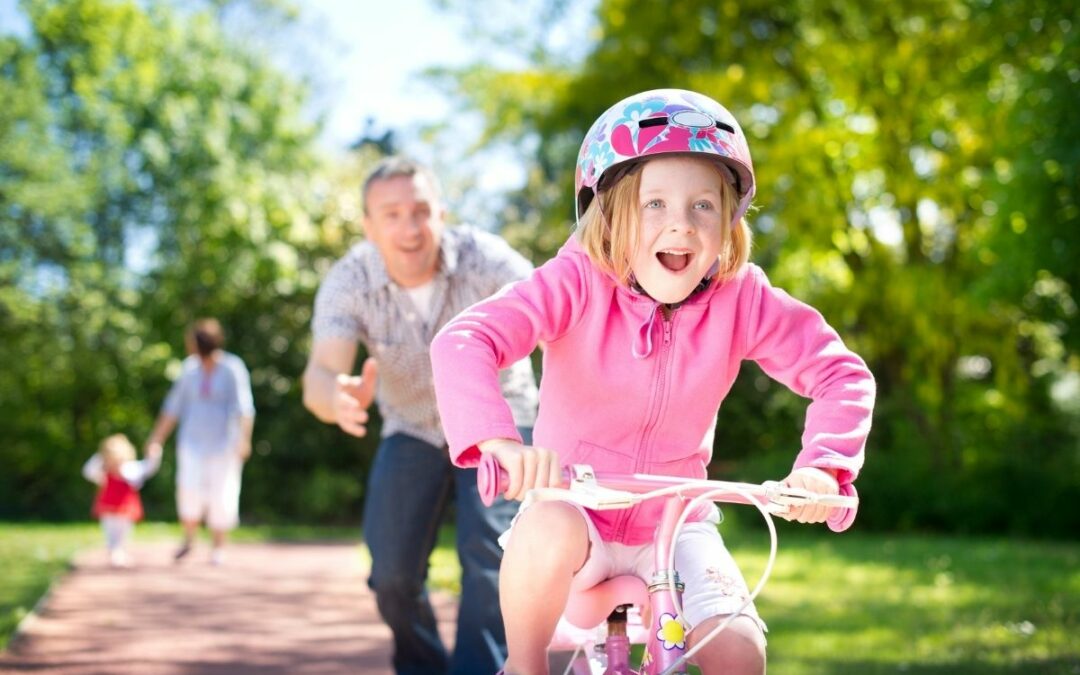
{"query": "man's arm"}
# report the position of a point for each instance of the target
(329, 358)
(245, 406)
(247, 425)
(331, 393)
(162, 428)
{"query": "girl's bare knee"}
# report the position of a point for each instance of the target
(550, 530)
(740, 648)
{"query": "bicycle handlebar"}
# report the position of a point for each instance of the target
(619, 489)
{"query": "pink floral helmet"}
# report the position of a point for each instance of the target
(658, 122)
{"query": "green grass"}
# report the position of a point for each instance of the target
(916, 604)
(836, 604)
(30, 557)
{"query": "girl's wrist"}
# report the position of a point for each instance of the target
(817, 471)
(489, 446)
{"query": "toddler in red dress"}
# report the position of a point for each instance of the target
(119, 475)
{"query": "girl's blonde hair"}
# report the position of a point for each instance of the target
(115, 450)
(610, 237)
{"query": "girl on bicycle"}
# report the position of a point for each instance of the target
(645, 315)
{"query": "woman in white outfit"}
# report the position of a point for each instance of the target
(212, 403)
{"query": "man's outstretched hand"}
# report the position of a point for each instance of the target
(353, 395)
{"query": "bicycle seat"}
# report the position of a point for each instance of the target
(590, 608)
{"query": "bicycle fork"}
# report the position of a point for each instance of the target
(667, 632)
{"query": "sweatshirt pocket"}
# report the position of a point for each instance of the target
(683, 463)
(610, 524)
(602, 458)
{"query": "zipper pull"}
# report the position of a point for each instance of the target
(667, 329)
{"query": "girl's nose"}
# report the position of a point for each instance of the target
(682, 221)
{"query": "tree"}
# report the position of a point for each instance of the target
(154, 171)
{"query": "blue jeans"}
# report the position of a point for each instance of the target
(411, 485)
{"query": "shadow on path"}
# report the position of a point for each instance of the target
(271, 608)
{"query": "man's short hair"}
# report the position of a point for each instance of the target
(208, 336)
(398, 165)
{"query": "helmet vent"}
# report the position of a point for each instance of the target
(689, 119)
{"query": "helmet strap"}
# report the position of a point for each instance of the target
(636, 287)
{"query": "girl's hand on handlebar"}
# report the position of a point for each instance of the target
(811, 479)
(526, 466)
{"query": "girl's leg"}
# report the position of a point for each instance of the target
(739, 649)
(548, 544)
(117, 530)
(108, 528)
(715, 589)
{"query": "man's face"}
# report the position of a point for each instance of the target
(404, 220)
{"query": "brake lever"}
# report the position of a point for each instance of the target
(784, 495)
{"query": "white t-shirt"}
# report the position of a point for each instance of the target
(421, 297)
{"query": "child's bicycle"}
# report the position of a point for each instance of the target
(621, 600)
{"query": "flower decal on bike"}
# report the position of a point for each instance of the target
(672, 633)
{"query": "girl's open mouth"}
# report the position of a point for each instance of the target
(674, 261)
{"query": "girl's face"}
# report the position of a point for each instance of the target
(682, 218)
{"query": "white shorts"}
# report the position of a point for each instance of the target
(208, 487)
(714, 584)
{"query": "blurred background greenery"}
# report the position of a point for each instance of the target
(917, 165)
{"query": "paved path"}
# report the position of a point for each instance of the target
(271, 608)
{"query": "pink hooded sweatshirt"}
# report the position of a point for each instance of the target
(626, 391)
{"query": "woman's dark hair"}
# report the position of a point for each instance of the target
(208, 336)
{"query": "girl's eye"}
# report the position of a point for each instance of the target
(703, 205)
(653, 204)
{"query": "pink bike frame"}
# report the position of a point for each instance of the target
(664, 589)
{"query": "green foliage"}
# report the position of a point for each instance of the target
(917, 183)
(155, 171)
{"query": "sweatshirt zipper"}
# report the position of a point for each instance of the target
(653, 415)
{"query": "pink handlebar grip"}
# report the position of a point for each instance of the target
(490, 479)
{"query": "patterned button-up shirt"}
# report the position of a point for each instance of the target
(358, 301)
